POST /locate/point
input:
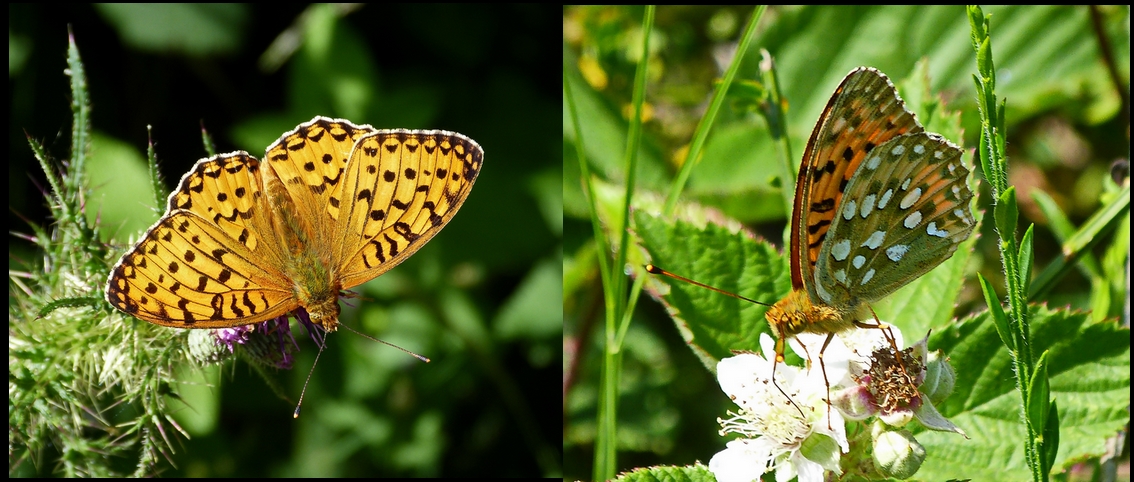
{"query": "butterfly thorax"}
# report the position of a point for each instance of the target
(316, 288)
(314, 282)
(796, 314)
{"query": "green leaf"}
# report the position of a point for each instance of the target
(984, 56)
(1051, 436)
(1088, 370)
(976, 24)
(1006, 213)
(728, 259)
(1107, 218)
(1024, 258)
(693, 473)
(1039, 395)
(999, 318)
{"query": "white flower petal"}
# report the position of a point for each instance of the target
(742, 460)
(838, 430)
(808, 471)
(740, 378)
(772, 426)
(834, 357)
(785, 471)
(767, 346)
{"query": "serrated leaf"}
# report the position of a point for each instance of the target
(689, 473)
(1089, 372)
(729, 259)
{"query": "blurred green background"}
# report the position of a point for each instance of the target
(1067, 126)
(482, 299)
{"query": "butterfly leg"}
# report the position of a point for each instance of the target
(823, 367)
(889, 334)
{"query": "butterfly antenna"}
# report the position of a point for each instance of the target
(656, 270)
(352, 330)
(364, 335)
(779, 342)
(304, 391)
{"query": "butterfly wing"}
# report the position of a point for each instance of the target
(400, 188)
(310, 162)
(204, 263)
(863, 113)
(903, 213)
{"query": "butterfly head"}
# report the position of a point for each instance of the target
(796, 314)
(324, 311)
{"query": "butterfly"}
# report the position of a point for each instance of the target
(331, 206)
(878, 203)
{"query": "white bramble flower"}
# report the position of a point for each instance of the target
(804, 437)
(774, 435)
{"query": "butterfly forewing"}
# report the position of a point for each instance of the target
(309, 162)
(407, 185)
(205, 264)
(863, 113)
